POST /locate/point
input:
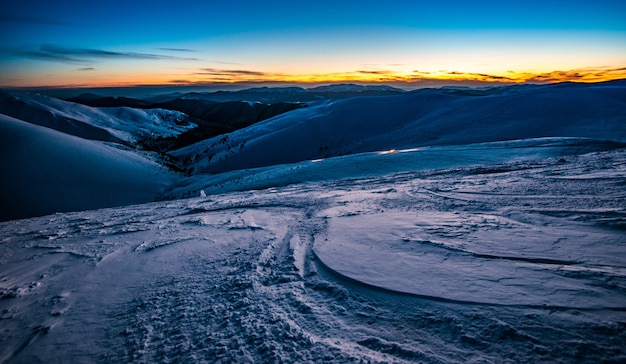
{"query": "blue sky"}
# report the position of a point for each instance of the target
(146, 42)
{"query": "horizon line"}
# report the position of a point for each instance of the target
(242, 85)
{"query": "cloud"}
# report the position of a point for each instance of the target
(488, 77)
(99, 53)
(176, 49)
(379, 72)
(454, 77)
(86, 69)
(43, 55)
(588, 74)
(229, 73)
(54, 53)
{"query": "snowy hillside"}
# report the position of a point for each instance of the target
(522, 262)
(406, 121)
(211, 118)
(121, 124)
(45, 171)
(374, 164)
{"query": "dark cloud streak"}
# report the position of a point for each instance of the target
(375, 72)
(98, 53)
(224, 73)
(54, 53)
(176, 50)
(44, 56)
(491, 77)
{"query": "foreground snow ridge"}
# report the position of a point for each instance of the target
(516, 261)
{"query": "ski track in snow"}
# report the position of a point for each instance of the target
(237, 278)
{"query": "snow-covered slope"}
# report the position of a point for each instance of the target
(373, 164)
(119, 124)
(45, 171)
(521, 262)
(412, 120)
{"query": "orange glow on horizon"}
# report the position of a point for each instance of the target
(227, 76)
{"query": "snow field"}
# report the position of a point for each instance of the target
(282, 275)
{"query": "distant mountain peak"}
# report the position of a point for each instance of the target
(266, 89)
(351, 87)
(88, 96)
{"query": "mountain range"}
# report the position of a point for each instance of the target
(195, 136)
(337, 224)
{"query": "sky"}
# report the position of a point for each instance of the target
(408, 44)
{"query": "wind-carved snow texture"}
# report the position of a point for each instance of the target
(370, 269)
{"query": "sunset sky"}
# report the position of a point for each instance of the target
(408, 44)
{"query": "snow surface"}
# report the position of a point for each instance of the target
(367, 124)
(504, 263)
(386, 162)
(45, 171)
